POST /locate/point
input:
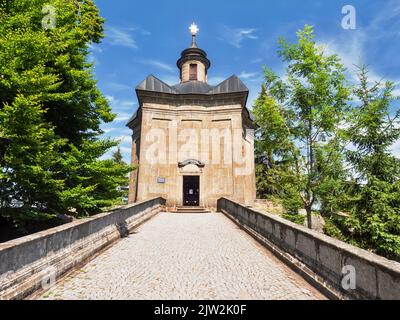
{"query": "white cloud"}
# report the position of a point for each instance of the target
(120, 37)
(351, 51)
(92, 59)
(349, 48)
(127, 103)
(235, 36)
(118, 104)
(114, 131)
(110, 99)
(396, 149)
(126, 150)
(115, 86)
(145, 32)
(352, 47)
(122, 116)
(249, 75)
(396, 92)
(125, 139)
(160, 65)
(95, 48)
(108, 130)
(256, 60)
(388, 16)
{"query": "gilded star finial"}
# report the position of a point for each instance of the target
(194, 29)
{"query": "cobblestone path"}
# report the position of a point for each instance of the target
(187, 256)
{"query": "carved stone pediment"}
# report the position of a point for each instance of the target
(191, 162)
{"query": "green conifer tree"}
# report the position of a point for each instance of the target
(52, 110)
(374, 127)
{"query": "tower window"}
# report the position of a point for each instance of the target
(193, 72)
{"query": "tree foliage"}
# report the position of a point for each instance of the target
(51, 109)
(117, 156)
(375, 202)
(326, 146)
(303, 114)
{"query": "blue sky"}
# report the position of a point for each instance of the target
(240, 37)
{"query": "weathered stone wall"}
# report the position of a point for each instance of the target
(172, 134)
(318, 257)
(26, 262)
(132, 196)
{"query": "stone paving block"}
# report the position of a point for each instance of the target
(188, 256)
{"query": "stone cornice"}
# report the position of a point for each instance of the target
(206, 100)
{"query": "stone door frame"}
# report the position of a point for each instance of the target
(191, 167)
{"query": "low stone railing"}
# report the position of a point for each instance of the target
(338, 269)
(30, 263)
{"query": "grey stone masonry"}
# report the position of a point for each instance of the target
(331, 263)
(28, 263)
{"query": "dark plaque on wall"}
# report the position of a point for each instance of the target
(160, 180)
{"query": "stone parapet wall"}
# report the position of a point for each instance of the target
(321, 259)
(26, 263)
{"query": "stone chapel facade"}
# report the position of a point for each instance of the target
(192, 143)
